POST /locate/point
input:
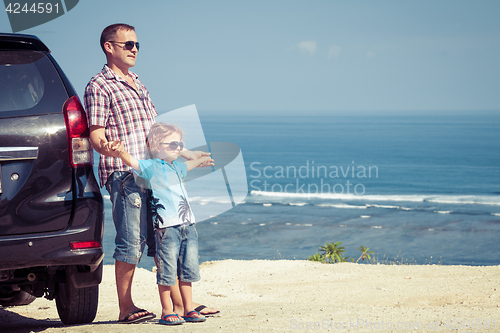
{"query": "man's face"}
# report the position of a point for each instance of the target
(119, 55)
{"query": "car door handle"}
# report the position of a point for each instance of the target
(18, 153)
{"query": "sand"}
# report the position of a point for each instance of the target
(295, 295)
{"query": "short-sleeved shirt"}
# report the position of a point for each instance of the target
(169, 200)
(125, 113)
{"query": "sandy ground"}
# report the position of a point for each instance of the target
(283, 295)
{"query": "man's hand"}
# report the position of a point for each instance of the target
(114, 148)
(193, 155)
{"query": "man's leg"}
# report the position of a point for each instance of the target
(129, 216)
(124, 274)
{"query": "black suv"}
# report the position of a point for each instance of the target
(51, 209)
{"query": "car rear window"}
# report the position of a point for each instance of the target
(29, 84)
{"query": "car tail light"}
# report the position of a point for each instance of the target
(80, 151)
(84, 245)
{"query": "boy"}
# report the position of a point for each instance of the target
(173, 220)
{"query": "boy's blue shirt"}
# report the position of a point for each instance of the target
(169, 202)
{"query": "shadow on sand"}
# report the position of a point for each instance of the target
(13, 322)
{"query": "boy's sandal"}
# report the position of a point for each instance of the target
(190, 319)
(164, 320)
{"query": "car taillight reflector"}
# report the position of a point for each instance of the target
(80, 151)
(84, 245)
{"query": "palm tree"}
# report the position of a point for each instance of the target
(333, 251)
(317, 257)
(365, 253)
(153, 208)
(184, 210)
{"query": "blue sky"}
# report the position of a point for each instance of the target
(330, 56)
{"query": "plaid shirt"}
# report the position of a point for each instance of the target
(125, 113)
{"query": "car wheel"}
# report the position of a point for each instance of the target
(76, 305)
(9, 297)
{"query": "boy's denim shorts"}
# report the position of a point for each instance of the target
(129, 216)
(177, 254)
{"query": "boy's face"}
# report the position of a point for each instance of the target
(165, 152)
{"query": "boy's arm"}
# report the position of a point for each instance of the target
(130, 160)
(118, 146)
(201, 162)
(193, 155)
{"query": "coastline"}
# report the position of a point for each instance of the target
(290, 295)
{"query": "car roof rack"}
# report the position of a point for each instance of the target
(21, 42)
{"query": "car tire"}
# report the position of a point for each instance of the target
(76, 305)
(9, 297)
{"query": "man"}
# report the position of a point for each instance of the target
(119, 108)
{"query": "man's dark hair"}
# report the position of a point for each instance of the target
(109, 32)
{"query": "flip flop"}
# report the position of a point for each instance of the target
(190, 319)
(164, 320)
(147, 316)
(201, 307)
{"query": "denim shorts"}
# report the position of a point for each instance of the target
(177, 254)
(129, 216)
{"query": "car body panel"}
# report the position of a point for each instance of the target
(45, 204)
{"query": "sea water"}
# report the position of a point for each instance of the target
(416, 188)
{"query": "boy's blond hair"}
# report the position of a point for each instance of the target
(157, 135)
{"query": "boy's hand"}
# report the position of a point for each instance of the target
(207, 161)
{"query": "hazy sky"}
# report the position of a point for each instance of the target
(285, 55)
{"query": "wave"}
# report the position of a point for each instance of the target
(341, 206)
(441, 199)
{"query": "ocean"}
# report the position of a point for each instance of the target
(414, 188)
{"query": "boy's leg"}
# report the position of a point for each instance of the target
(188, 270)
(175, 295)
(186, 290)
(190, 314)
(167, 251)
(166, 306)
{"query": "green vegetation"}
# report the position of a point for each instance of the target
(365, 253)
(331, 253)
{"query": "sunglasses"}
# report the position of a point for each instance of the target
(129, 45)
(174, 144)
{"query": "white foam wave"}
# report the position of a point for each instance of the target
(210, 200)
(443, 211)
(447, 199)
(495, 214)
(341, 206)
(298, 204)
(384, 206)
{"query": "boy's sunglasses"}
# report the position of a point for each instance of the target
(129, 45)
(174, 144)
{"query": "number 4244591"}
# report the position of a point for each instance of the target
(36, 8)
